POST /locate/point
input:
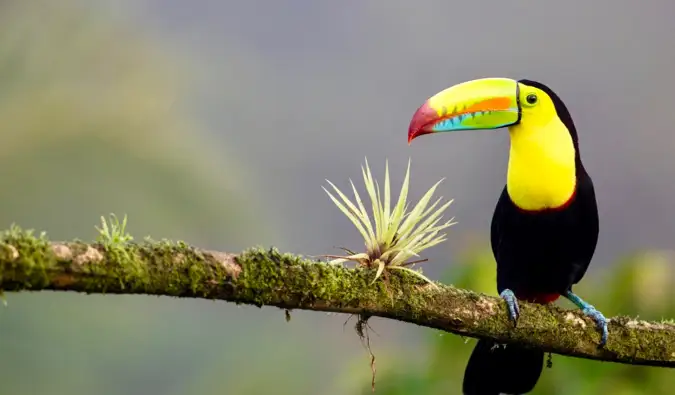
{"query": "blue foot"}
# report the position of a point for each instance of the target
(512, 303)
(592, 312)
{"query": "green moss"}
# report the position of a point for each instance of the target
(7, 252)
(117, 266)
(174, 268)
(33, 258)
(269, 277)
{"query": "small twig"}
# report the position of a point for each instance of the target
(347, 250)
(414, 262)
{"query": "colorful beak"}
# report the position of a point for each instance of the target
(486, 103)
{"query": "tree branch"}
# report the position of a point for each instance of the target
(266, 277)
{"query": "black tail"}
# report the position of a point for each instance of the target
(502, 370)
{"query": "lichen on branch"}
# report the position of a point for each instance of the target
(266, 277)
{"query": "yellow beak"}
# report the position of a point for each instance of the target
(486, 103)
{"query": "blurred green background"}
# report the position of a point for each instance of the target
(216, 122)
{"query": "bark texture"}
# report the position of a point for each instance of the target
(265, 277)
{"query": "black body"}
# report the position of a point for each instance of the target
(537, 254)
(545, 252)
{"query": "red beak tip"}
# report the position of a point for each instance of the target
(419, 121)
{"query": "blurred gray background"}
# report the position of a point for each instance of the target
(238, 112)
(302, 92)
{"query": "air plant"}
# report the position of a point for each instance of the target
(397, 234)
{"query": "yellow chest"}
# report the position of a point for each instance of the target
(541, 172)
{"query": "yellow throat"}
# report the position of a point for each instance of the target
(541, 171)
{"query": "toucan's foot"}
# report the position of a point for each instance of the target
(512, 303)
(589, 310)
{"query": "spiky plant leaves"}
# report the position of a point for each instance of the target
(354, 215)
(115, 233)
(395, 235)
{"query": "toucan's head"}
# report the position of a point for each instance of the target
(544, 155)
(490, 103)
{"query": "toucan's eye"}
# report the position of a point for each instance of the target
(531, 99)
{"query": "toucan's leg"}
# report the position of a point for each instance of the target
(512, 303)
(592, 312)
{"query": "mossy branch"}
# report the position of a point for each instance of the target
(268, 278)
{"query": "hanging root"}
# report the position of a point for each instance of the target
(362, 328)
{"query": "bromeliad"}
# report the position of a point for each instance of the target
(398, 234)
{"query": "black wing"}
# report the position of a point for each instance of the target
(587, 236)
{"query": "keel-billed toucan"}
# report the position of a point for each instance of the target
(545, 227)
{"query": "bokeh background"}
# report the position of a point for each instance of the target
(217, 122)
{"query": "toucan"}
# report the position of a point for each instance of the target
(545, 226)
